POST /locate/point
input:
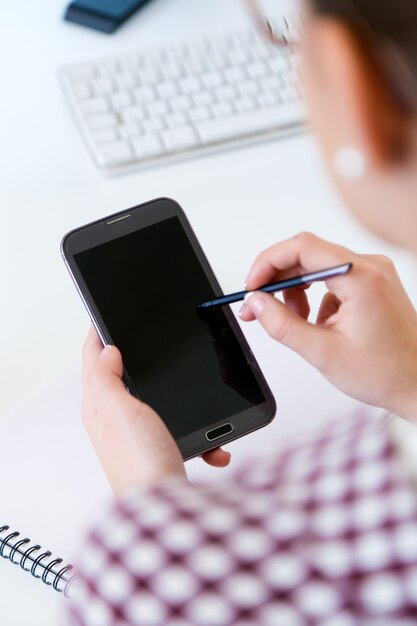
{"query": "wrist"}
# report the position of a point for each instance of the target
(405, 405)
(146, 480)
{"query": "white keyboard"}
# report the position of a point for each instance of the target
(155, 105)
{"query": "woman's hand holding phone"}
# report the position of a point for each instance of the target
(365, 336)
(364, 341)
(132, 442)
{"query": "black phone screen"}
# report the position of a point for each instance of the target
(187, 365)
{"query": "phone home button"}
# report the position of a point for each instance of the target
(220, 431)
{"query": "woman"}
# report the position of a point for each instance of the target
(325, 532)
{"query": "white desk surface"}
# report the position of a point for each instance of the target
(238, 202)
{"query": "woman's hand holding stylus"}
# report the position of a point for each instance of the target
(132, 442)
(365, 337)
(364, 341)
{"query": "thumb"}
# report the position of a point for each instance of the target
(110, 361)
(108, 371)
(280, 322)
(104, 387)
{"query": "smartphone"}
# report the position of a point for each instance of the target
(103, 15)
(141, 274)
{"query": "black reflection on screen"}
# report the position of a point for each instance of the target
(234, 369)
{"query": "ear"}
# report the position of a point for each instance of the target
(360, 108)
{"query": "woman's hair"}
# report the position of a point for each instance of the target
(388, 31)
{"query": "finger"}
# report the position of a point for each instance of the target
(329, 306)
(264, 272)
(302, 306)
(304, 252)
(246, 314)
(92, 349)
(310, 341)
(105, 383)
(217, 457)
(297, 301)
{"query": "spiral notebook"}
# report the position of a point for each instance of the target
(32, 558)
(52, 490)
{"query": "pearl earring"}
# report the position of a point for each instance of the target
(349, 163)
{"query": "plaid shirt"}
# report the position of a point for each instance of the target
(322, 533)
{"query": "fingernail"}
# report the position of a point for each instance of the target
(106, 351)
(242, 310)
(256, 302)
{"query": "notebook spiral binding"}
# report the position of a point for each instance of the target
(33, 559)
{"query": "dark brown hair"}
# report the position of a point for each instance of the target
(388, 31)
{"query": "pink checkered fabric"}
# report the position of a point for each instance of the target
(323, 533)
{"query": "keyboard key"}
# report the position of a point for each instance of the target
(238, 56)
(153, 124)
(83, 71)
(125, 80)
(226, 92)
(257, 69)
(180, 103)
(103, 135)
(289, 93)
(157, 107)
(172, 70)
(144, 94)
(290, 79)
(271, 83)
(94, 105)
(102, 86)
(167, 89)
(221, 109)
(217, 61)
(81, 90)
(101, 120)
(133, 113)
(199, 114)
(176, 119)
(189, 84)
(267, 98)
(146, 146)
(109, 67)
(150, 59)
(179, 138)
(234, 74)
(203, 97)
(148, 76)
(129, 129)
(195, 65)
(248, 88)
(247, 123)
(115, 152)
(278, 63)
(120, 100)
(212, 79)
(245, 104)
(260, 50)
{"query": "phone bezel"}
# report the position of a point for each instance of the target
(139, 217)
